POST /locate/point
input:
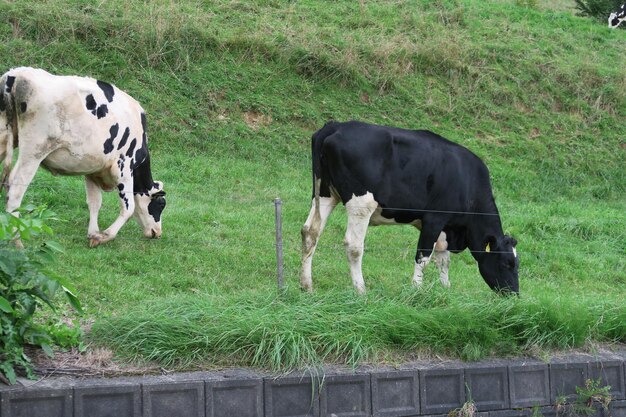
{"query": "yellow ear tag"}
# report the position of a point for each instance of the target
(487, 249)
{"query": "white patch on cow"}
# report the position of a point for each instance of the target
(378, 220)
(360, 210)
(311, 231)
(514, 252)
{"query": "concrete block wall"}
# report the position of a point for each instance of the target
(498, 389)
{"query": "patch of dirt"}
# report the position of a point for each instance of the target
(255, 120)
(93, 362)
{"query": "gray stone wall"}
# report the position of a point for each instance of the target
(514, 388)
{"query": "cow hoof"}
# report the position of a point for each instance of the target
(94, 241)
(97, 239)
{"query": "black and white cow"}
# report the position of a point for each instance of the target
(618, 17)
(79, 126)
(385, 175)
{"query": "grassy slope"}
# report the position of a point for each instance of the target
(538, 94)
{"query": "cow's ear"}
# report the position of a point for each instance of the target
(492, 244)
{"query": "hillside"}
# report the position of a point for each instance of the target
(234, 90)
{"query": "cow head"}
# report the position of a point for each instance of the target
(148, 209)
(618, 17)
(499, 264)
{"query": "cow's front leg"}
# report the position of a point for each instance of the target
(425, 247)
(127, 208)
(442, 259)
(94, 202)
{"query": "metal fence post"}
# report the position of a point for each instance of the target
(279, 242)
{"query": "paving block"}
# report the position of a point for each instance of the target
(529, 385)
(547, 412)
(107, 401)
(609, 372)
(36, 403)
(565, 377)
(234, 398)
(173, 399)
(395, 394)
(291, 397)
(488, 387)
(517, 412)
(345, 396)
(441, 390)
(618, 408)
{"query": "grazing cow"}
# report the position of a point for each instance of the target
(385, 175)
(79, 126)
(618, 17)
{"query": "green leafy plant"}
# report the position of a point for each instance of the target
(600, 9)
(587, 397)
(593, 393)
(26, 284)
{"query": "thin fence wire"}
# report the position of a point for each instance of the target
(306, 206)
(303, 206)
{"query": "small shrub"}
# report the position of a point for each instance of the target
(25, 285)
(584, 405)
(600, 9)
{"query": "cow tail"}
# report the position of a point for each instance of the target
(317, 143)
(8, 101)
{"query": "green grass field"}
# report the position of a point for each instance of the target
(234, 90)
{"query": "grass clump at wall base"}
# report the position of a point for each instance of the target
(268, 331)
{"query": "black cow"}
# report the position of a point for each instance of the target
(385, 175)
(618, 17)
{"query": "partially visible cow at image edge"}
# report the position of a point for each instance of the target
(615, 19)
(79, 126)
(385, 175)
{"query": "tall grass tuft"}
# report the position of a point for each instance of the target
(267, 331)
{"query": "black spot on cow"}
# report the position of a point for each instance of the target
(9, 84)
(23, 107)
(107, 89)
(156, 207)
(120, 187)
(144, 123)
(124, 199)
(101, 111)
(120, 164)
(140, 155)
(108, 144)
(3, 106)
(91, 104)
(124, 139)
(430, 181)
(131, 148)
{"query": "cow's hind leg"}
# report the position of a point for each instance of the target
(20, 178)
(311, 232)
(359, 210)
